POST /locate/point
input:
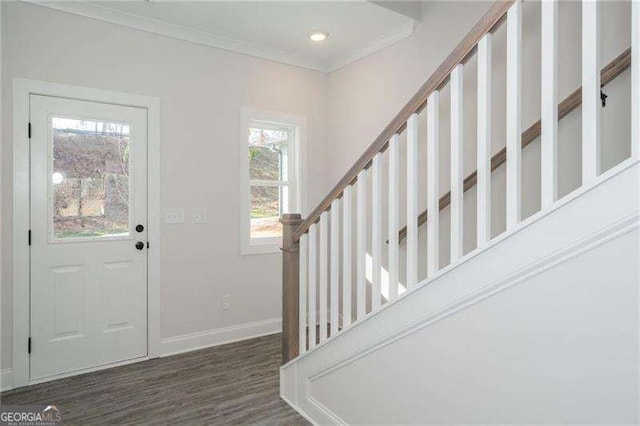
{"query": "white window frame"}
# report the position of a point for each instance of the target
(296, 165)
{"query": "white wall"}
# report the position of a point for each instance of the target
(201, 92)
(366, 95)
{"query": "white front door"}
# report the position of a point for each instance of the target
(88, 235)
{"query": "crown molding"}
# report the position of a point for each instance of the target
(118, 17)
(379, 43)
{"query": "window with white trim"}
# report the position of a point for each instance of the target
(270, 166)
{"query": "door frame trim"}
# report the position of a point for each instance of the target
(22, 89)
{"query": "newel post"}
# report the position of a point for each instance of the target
(290, 286)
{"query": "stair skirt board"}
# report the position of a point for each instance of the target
(587, 220)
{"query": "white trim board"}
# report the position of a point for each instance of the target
(114, 16)
(6, 380)
(22, 89)
(219, 336)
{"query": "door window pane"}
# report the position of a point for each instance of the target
(90, 178)
(265, 211)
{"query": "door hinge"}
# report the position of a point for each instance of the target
(29, 345)
(29, 236)
(29, 131)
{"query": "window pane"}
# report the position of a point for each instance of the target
(267, 154)
(265, 212)
(90, 178)
(264, 163)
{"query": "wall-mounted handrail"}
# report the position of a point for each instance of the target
(612, 70)
(490, 22)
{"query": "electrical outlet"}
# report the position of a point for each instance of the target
(198, 215)
(226, 302)
(174, 215)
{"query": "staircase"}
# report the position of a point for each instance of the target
(538, 324)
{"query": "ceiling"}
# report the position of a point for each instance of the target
(272, 30)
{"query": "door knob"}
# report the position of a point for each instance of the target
(139, 245)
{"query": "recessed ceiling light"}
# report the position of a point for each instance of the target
(318, 35)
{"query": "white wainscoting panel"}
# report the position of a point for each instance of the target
(536, 319)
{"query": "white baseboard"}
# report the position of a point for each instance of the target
(6, 379)
(219, 336)
(194, 341)
(298, 410)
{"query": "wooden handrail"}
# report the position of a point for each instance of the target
(608, 73)
(491, 20)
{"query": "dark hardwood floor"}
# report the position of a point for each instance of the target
(230, 384)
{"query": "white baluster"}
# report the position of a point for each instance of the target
(484, 140)
(376, 231)
(324, 249)
(346, 256)
(457, 165)
(590, 90)
(433, 204)
(412, 201)
(635, 79)
(549, 104)
(302, 295)
(361, 246)
(394, 243)
(514, 119)
(335, 284)
(313, 311)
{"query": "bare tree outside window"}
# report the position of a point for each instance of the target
(90, 178)
(268, 159)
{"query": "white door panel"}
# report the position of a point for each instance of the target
(88, 193)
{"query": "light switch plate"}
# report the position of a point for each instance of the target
(225, 304)
(198, 215)
(174, 215)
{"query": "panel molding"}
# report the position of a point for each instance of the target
(219, 336)
(590, 242)
(154, 26)
(333, 417)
